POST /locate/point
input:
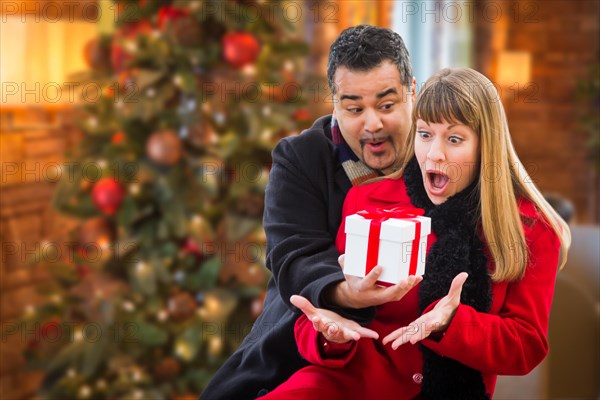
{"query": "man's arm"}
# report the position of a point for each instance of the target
(301, 250)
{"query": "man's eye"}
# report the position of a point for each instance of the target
(387, 106)
(355, 110)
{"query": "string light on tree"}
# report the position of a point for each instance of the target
(56, 298)
(118, 138)
(183, 350)
(142, 269)
(215, 346)
(249, 70)
(128, 306)
(29, 310)
(138, 394)
(178, 80)
(136, 375)
(162, 315)
(85, 391)
(101, 384)
(134, 189)
(78, 334)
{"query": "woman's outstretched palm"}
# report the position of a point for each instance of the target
(332, 326)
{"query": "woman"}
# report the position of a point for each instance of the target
(482, 307)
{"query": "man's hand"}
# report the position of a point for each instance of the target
(332, 326)
(436, 320)
(357, 292)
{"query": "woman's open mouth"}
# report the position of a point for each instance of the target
(438, 181)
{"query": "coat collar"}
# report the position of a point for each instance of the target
(387, 191)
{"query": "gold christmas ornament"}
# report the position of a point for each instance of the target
(167, 368)
(95, 236)
(181, 306)
(187, 31)
(202, 135)
(164, 148)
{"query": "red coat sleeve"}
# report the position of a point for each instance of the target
(514, 341)
(317, 350)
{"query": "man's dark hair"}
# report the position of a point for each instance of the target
(364, 47)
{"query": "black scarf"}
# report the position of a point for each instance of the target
(457, 249)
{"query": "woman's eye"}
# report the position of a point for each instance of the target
(455, 139)
(423, 134)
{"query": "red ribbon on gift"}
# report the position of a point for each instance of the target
(377, 217)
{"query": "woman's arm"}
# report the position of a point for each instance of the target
(514, 341)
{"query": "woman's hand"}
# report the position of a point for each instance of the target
(436, 320)
(332, 326)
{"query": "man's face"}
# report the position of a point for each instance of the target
(373, 112)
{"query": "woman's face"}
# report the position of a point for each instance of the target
(448, 154)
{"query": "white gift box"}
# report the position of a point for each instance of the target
(395, 251)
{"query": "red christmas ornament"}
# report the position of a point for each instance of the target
(190, 246)
(51, 329)
(49, 332)
(32, 344)
(97, 55)
(82, 271)
(108, 195)
(240, 48)
(168, 14)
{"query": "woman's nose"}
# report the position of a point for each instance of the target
(436, 151)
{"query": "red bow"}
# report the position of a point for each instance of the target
(396, 212)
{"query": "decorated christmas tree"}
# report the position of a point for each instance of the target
(165, 273)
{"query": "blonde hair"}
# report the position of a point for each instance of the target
(464, 95)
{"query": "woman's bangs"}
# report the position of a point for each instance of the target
(440, 103)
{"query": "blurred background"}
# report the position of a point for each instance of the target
(135, 149)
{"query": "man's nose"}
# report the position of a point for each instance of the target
(373, 122)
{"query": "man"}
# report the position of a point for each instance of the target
(373, 89)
